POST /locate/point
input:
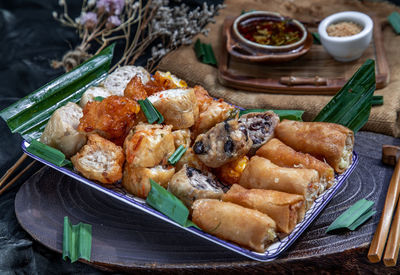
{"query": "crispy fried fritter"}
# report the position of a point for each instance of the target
(135, 89)
(100, 160)
(211, 111)
(149, 145)
(230, 172)
(112, 118)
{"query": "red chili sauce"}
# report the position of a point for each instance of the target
(269, 31)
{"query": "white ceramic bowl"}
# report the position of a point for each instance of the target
(347, 48)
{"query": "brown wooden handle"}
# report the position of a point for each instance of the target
(379, 240)
(294, 80)
(393, 243)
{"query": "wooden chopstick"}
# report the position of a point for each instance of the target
(16, 177)
(393, 243)
(379, 240)
(12, 169)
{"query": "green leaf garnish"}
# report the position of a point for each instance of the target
(351, 106)
(394, 20)
(316, 38)
(353, 217)
(48, 153)
(283, 114)
(98, 98)
(377, 100)
(166, 202)
(151, 113)
(29, 115)
(205, 53)
(176, 156)
(77, 241)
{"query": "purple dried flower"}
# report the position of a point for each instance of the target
(89, 19)
(113, 21)
(111, 6)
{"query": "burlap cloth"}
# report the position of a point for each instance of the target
(383, 119)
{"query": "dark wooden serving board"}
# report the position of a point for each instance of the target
(126, 239)
(315, 73)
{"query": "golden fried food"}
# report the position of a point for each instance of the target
(191, 160)
(135, 89)
(211, 111)
(100, 160)
(112, 118)
(61, 130)
(182, 137)
(149, 145)
(230, 173)
(136, 180)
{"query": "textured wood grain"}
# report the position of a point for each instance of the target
(126, 239)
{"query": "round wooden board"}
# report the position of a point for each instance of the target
(126, 239)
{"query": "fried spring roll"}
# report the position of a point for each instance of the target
(261, 173)
(233, 222)
(285, 156)
(325, 141)
(284, 208)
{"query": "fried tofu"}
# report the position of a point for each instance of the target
(100, 160)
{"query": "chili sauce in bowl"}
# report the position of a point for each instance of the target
(269, 31)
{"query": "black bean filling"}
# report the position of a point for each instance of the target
(229, 146)
(200, 181)
(226, 126)
(199, 148)
(258, 127)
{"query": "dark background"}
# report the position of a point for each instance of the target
(29, 39)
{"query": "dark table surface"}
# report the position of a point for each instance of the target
(29, 40)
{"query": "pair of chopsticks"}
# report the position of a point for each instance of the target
(11, 170)
(381, 233)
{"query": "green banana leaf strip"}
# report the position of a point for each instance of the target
(316, 38)
(29, 115)
(176, 156)
(351, 106)
(98, 98)
(394, 20)
(283, 114)
(48, 153)
(166, 202)
(353, 217)
(377, 100)
(77, 241)
(205, 53)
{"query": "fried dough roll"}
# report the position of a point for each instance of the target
(261, 173)
(260, 127)
(225, 142)
(136, 180)
(233, 222)
(190, 184)
(284, 208)
(178, 106)
(325, 141)
(285, 156)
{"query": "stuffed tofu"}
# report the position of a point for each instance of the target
(61, 130)
(91, 93)
(100, 160)
(260, 127)
(190, 184)
(178, 106)
(149, 145)
(225, 142)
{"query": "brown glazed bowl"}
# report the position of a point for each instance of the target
(240, 47)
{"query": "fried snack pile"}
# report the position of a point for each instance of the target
(273, 170)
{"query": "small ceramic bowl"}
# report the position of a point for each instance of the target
(273, 16)
(346, 48)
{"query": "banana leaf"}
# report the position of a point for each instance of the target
(351, 106)
(29, 115)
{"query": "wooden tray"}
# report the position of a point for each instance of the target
(315, 73)
(126, 240)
